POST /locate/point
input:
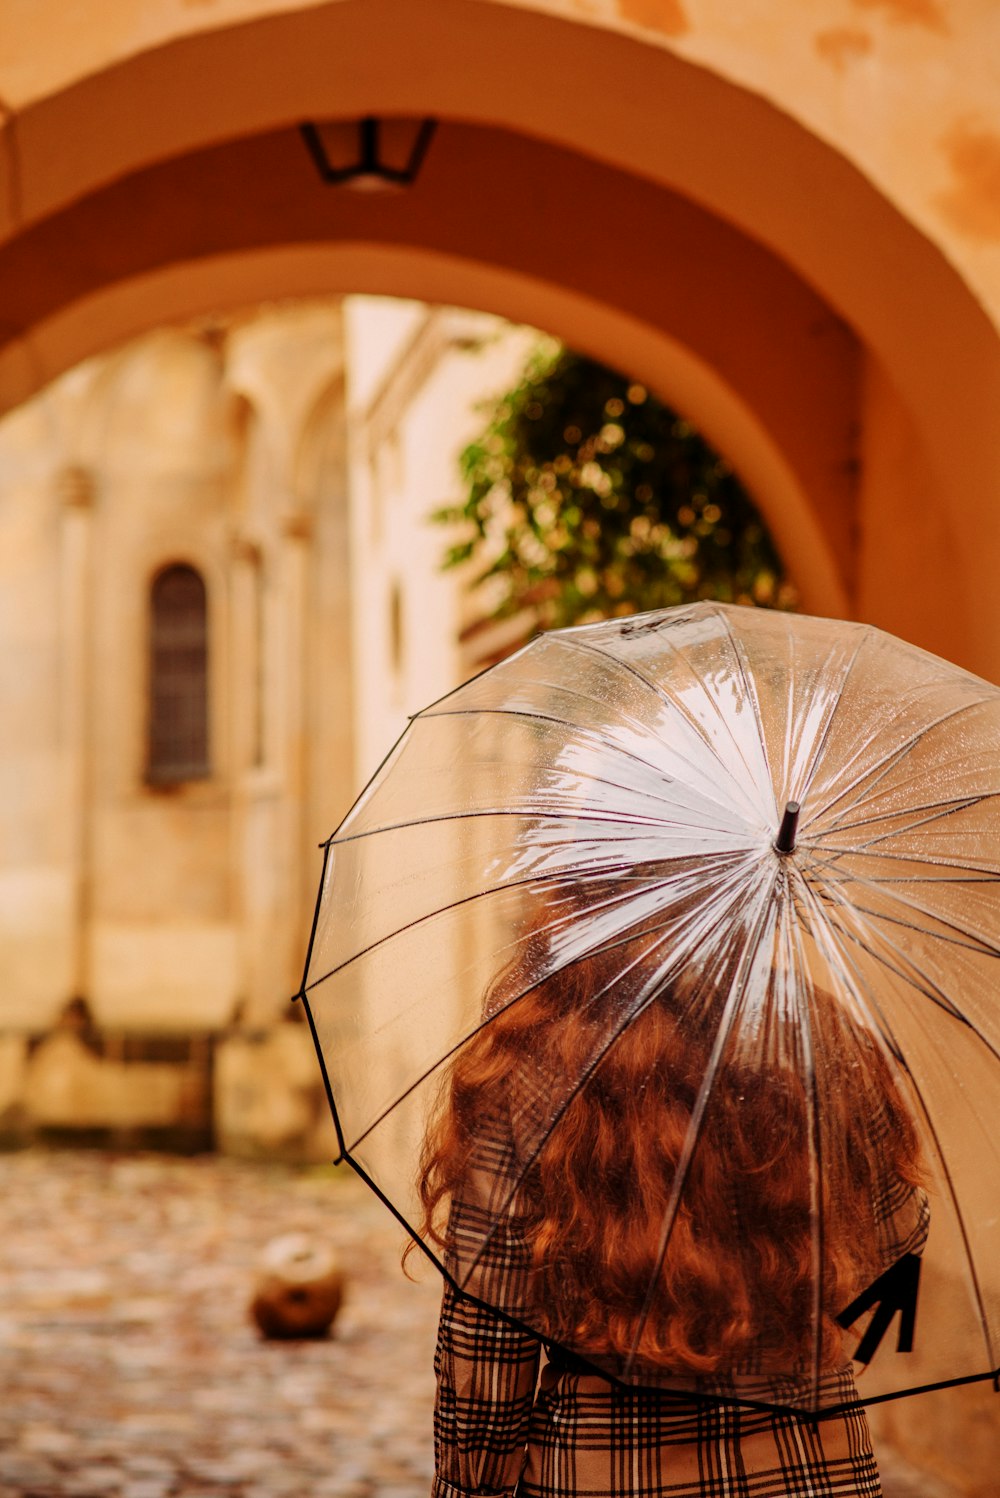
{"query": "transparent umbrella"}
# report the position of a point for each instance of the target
(654, 979)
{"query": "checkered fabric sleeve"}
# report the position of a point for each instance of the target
(901, 1212)
(486, 1367)
(486, 1372)
(593, 1439)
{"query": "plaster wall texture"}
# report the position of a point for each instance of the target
(747, 206)
(905, 88)
(414, 406)
(35, 880)
(167, 907)
(408, 427)
(291, 455)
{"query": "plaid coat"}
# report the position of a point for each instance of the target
(509, 1417)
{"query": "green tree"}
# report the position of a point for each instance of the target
(587, 497)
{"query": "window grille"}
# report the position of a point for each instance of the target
(178, 677)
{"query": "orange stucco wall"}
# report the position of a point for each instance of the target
(785, 214)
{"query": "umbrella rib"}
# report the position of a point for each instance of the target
(315, 921)
(561, 1110)
(896, 755)
(925, 985)
(987, 872)
(617, 662)
(508, 661)
(970, 943)
(829, 860)
(818, 1236)
(419, 921)
(466, 900)
(950, 935)
(752, 695)
(574, 814)
(876, 1013)
(821, 743)
(585, 1078)
(593, 732)
(816, 1196)
(954, 803)
(892, 894)
(441, 1061)
(889, 761)
(868, 780)
(676, 707)
(970, 878)
(934, 814)
(364, 796)
(755, 705)
(606, 946)
(728, 1019)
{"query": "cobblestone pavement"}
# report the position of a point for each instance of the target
(128, 1364)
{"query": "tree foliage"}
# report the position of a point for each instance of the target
(587, 497)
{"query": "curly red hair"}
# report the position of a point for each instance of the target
(736, 1283)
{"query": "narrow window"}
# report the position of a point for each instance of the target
(178, 677)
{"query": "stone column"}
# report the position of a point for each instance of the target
(296, 534)
(244, 686)
(75, 488)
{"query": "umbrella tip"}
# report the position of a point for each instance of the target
(785, 841)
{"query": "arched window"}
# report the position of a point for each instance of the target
(178, 677)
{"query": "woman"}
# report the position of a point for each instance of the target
(660, 1229)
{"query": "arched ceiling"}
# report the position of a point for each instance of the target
(573, 157)
(605, 237)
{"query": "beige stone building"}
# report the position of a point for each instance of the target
(221, 596)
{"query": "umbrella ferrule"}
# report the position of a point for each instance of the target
(785, 841)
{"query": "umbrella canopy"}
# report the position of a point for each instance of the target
(654, 978)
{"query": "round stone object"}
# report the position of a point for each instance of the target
(299, 1288)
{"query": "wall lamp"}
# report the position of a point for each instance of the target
(369, 155)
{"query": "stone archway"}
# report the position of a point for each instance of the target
(713, 200)
(782, 216)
